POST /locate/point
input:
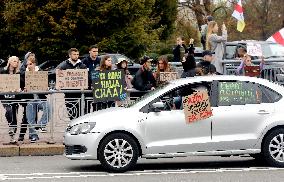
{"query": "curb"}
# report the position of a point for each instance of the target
(31, 150)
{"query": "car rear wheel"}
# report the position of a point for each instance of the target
(118, 152)
(273, 148)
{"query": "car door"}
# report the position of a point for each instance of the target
(167, 130)
(240, 115)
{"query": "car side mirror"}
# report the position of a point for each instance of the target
(158, 106)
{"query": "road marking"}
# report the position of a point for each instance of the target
(31, 176)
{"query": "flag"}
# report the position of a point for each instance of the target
(239, 15)
(278, 37)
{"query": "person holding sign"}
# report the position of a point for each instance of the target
(246, 62)
(72, 63)
(144, 79)
(34, 106)
(162, 66)
(13, 67)
(122, 65)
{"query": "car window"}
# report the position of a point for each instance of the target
(230, 51)
(269, 95)
(272, 50)
(238, 93)
(173, 99)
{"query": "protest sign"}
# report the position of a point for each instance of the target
(196, 106)
(72, 79)
(109, 86)
(252, 71)
(36, 80)
(238, 93)
(9, 82)
(254, 49)
(168, 76)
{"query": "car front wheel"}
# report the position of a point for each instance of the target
(118, 152)
(273, 148)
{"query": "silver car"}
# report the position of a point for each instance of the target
(248, 118)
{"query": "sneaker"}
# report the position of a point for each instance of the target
(43, 130)
(33, 140)
(12, 140)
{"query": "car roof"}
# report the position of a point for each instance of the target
(211, 78)
(251, 41)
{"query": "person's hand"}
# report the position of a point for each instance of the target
(183, 59)
(153, 88)
(191, 41)
(224, 27)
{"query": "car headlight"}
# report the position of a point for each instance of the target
(82, 128)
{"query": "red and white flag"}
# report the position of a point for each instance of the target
(278, 37)
(239, 15)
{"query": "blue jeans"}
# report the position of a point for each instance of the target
(32, 108)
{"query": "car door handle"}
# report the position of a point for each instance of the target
(263, 112)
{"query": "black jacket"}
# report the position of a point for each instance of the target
(143, 80)
(207, 67)
(68, 65)
(91, 66)
(177, 52)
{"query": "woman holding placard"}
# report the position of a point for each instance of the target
(246, 62)
(38, 103)
(11, 107)
(162, 66)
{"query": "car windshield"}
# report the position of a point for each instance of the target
(272, 50)
(146, 96)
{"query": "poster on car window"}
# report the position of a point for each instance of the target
(9, 82)
(36, 80)
(109, 86)
(75, 79)
(196, 106)
(168, 76)
(254, 49)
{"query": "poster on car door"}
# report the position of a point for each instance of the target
(36, 80)
(9, 82)
(72, 79)
(254, 49)
(109, 86)
(196, 106)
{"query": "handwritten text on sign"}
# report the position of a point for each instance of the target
(36, 81)
(109, 86)
(196, 106)
(238, 93)
(72, 79)
(254, 49)
(9, 83)
(168, 76)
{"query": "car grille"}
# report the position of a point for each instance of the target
(75, 149)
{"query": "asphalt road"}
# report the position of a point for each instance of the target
(58, 168)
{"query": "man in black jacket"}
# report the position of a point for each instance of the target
(206, 67)
(73, 62)
(144, 79)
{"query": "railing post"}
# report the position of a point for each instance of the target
(51, 118)
(82, 104)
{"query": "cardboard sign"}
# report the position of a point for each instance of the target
(109, 86)
(254, 49)
(238, 93)
(72, 79)
(196, 106)
(36, 81)
(252, 71)
(168, 76)
(9, 82)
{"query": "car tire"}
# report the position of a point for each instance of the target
(118, 152)
(273, 148)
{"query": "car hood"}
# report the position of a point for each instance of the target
(103, 116)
